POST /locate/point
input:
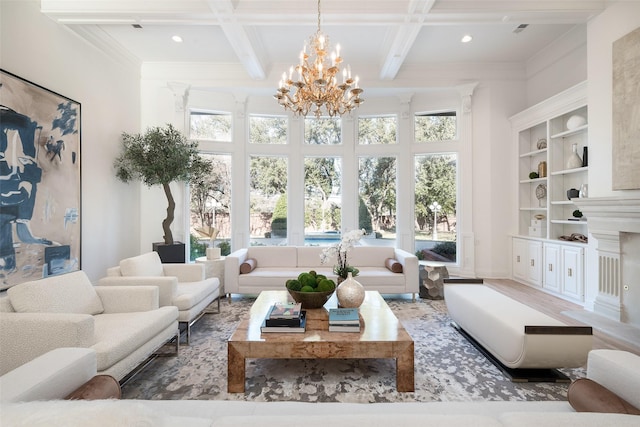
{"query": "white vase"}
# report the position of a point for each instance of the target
(213, 253)
(574, 160)
(350, 293)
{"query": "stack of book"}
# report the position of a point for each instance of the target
(344, 320)
(285, 317)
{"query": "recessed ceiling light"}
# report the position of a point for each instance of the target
(177, 39)
(466, 38)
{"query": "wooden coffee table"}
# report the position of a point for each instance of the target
(381, 336)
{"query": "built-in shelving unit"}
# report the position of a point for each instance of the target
(545, 214)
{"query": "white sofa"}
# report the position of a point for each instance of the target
(124, 325)
(625, 380)
(181, 285)
(276, 264)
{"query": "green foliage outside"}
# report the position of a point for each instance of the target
(432, 127)
(323, 131)
(267, 130)
(377, 130)
(321, 177)
(210, 126)
(364, 217)
(279, 218)
(435, 182)
(446, 249)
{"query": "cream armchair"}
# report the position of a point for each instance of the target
(124, 325)
(180, 285)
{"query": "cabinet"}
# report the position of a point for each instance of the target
(544, 139)
(527, 261)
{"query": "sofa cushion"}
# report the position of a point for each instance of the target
(369, 256)
(309, 257)
(115, 339)
(248, 265)
(189, 294)
(67, 293)
(567, 419)
(372, 420)
(586, 395)
(273, 256)
(393, 265)
(148, 264)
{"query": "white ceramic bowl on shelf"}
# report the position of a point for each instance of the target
(576, 121)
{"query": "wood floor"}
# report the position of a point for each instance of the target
(554, 306)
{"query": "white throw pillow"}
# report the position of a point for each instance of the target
(148, 265)
(81, 413)
(66, 293)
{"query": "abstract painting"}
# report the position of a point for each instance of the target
(40, 193)
(626, 112)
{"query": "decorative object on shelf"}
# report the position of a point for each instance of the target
(584, 191)
(577, 213)
(541, 193)
(572, 193)
(585, 157)
(339, 252)
(575, 237)
(541, 144)
(533, 175)
(211, 233)
(317, 82)
(542, 169)
(574, 161)
(576, 121)
(350, 293)
(539, 217)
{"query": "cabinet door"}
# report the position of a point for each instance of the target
(520, 259)
(535, 263)
(572, 272)
(551, 267)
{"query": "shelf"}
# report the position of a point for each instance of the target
(570, 171)
(570, 132)
(533, 209)
(533, 153)
(562, 202)
(533, 181)
(566, 221)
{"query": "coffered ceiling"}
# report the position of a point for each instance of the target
(264, 35)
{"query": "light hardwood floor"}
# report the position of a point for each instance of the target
(554, 306)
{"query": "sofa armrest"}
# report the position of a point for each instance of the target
(25, 336)
(232, 269)
(52, 375)
(127, 299)
(409, 268)
(167, 285)
(185, 272)
(616, 370)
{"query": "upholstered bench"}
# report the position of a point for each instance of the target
(517, 335)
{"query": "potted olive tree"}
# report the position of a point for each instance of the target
(161, 156)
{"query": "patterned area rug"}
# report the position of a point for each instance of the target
(447, 368)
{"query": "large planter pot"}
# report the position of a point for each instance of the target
(171, 254)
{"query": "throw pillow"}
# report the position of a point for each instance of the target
(148, 264)
(586, 395)
(98, 387)
(248, 265)
(393, 265)
(66, 293)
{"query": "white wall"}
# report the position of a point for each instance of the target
(39, 50)
(615, 22)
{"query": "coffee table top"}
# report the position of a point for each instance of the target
(377, 322)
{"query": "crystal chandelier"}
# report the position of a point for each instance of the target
(317, 81)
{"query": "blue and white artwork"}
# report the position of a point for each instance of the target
(40, 193)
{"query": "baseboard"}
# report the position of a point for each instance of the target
(463, 280)
(516, 375)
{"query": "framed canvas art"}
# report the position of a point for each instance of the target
(40, 188)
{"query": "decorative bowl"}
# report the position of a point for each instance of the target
(576, 121)
(311, 299)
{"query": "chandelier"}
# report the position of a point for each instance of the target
(317, 82)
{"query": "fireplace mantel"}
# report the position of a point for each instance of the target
(607, 217)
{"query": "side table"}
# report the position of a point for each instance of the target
(213, 268)
(431, 276)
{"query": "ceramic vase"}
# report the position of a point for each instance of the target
(213, 253)
(574, 161)
(350, 293)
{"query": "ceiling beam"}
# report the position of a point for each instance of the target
(404, 38)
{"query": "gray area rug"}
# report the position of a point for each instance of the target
(447, 368)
